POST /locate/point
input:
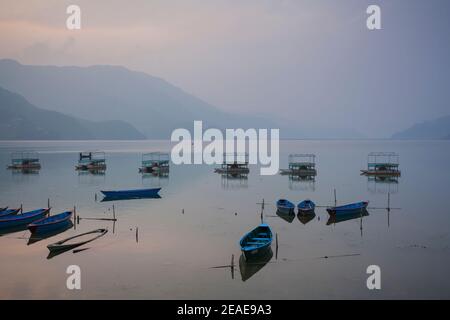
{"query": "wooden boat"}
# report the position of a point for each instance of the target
(348, 208)
(306, 207)
(51, 223)
(285, 206)
(131, 194)
(249, 268)
(67, 244)
(23, 219)
(256, 242)
(8, 212)
(36, 237)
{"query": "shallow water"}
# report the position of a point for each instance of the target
(201, 216)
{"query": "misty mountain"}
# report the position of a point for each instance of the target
(433, 129)
(154, 106)
(21, 120)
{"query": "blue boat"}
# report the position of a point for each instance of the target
(131, 194)
(8, 212)
(256, 242)
(51, 223)
(306, 207)
(23, 219)
(285, 206)
(348, 208)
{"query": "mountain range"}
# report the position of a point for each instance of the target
(150, 104)
(432, 129)
(20, 120)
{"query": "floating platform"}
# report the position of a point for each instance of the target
(155, 162)
(26, 160)
(383, 164)
(301, 165)
(93, 161)
(234, 164)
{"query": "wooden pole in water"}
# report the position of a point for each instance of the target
(48, 203)
(75, 217)
(114, 212)
(389, 201)
(276, 246)
(335, 199)
(21, 208)
(137, 234)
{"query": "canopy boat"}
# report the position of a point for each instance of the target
(348, 208)
(51, 223)
(8, 212)
(67, 244)
(23, 219)
(306, 207)
(285, 206)
(256, 242)
(131, 194)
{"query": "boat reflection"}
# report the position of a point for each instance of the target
(5, 231)
(345, 217)
(234, 181)
(305, 218)
(286, 216)
(42, 236)
(249, 268)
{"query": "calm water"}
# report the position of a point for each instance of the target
(175, 251)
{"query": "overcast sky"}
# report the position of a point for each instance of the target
(309, 60)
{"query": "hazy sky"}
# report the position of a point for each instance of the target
(312, 61)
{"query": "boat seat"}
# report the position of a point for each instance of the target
(260, 239)
(262, 234)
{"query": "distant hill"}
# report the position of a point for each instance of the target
(434, 129)
(20, 120)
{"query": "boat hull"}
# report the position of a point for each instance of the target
(348, 209)
(9, 212)
(23, 219)
(131, 194)
(51, 224)
(256, 242)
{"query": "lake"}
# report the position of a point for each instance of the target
(198, 221)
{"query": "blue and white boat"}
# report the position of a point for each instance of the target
(306, 207)
(348, 208)
(256, 242)
(8, 212)
(285, 206)
(52, 223)
(23, 219)
(132, 194)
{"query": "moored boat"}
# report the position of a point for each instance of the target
(285, 206)
(131, 194)
(348, 208)
(306, 207)
(23, 219)
(67, 244)
(51, 223)
(8, 212)
(256, 242)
